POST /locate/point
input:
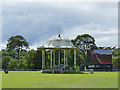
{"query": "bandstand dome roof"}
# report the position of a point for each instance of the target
(59, 42)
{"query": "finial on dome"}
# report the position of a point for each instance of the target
(59, 31)
(59, 36)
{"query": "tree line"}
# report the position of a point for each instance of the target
(18, 56)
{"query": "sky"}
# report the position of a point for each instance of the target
(37, 22)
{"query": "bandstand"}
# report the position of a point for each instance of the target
(57, 44)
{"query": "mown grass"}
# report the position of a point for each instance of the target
(35, 79)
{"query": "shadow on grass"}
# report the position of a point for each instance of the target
(65, 72)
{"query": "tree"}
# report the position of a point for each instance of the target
(116, 63)
(33, 59)
(0, 63)
(12, 63)
(84, 42)
(116, 58)
(80, 58)
(17, 43)
(29, 59)
(116, 52)
(37, 60)
(5, 61)
(3, 53)
(21, 64)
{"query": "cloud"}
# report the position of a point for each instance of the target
(37, 22)
(103, 36)
(2, 46)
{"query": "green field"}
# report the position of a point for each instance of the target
(35, 79)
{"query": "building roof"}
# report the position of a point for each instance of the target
(59, 42)
(107, 52)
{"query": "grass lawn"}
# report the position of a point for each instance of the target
(35, 79)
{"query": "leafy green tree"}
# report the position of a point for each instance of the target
(84, 42)
(23, 52)
(5, 61)
(70, 58)
(29, 59)
(12, 63)
(116, 52)
(3, 52)
(21, 64)
(17, 43)
(0, 63)
(33, 59)
(80, 58)
(116, 63)
(116, 58)
(37, 60)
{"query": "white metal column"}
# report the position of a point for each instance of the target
(43, 59)
(54, 58)
(59, 57)
(51, 60)
(64, 57)
(74, 59)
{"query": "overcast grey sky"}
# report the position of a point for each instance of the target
(38, 22)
